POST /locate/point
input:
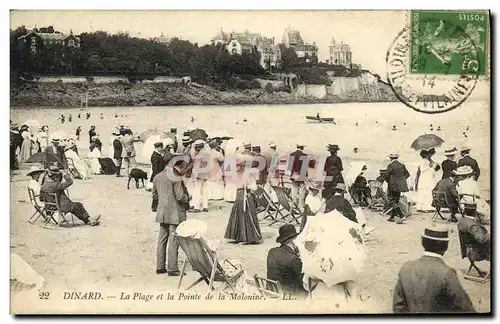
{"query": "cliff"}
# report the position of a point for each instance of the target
(68, 94)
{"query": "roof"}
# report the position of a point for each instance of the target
(243, 40)
(294, 36)
(221, 35)
(305, 47)
(49, 36)
(162, 39)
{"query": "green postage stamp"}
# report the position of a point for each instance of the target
(450, 42)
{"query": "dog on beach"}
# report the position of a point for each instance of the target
(137, 174)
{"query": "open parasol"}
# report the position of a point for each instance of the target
(148, 147)
(331, 248)
(427, 142)
(43, 157)
(198, 134)
(222, 134)
(150, 132)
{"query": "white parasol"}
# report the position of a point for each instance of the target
(60, 135)
(331, 248)
(148, 147)
(353, 171)
(231, 146)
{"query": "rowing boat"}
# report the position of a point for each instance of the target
(320, 119)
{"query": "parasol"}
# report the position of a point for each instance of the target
(426, 142)
(331, 248)
(150, 132)
(45, 158)
(60, 135)
(222, 134)
(231, 146)
(148, 147)
(353, 171)
(32, 123)
(198, 134)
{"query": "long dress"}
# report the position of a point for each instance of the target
(25, 152)
(243, 224)
(79, 164)
(469, 190)
(43, 139)
(95, 166)
(215, 182)
(426, 182)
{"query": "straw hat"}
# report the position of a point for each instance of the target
(186, 139)
(463, 170)
(394, 155)
(437, 233)
(465, 148)
(272, 144)
(199, 142)
(333, 147)
(35, 169)
(341, 186)
(315, 185)
(450, 151)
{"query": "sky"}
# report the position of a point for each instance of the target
(369, 33)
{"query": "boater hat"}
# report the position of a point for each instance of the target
(186, 139)
(34, 170)
(463, 170)
(247, 145)
(287, 232)
(465, 148)
(436, 233)
(312, 184)
(341, 186)
(333, 147)
(158, 144)
(450, 151)
(394, 155)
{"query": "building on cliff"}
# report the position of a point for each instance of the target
(307, 53)
(162, 39)
(35, 41)
(247, 42)
(339, 53)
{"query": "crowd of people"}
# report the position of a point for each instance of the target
(188, 171)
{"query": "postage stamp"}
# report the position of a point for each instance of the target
(449, 42)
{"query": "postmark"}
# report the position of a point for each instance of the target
(427, 93)
(449, 42)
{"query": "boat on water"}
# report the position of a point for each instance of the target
(320, 119)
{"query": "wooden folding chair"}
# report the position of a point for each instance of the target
(39, 209)
(264, 204)
(479, 278)
(205, 262)
(286, 204)
(72, 169)
(52, 205)
(268, 288)
(440, 200)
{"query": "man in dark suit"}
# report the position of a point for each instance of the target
(333, 169)
(58, 150)
(284, 264)
(57, 182)
(467, 160)
(428, 285)
(396, 175)
(449, 164)
(298, 174)
(158, 163)
(117, 151)
(92, 133)
(339, 203)
(449, 187)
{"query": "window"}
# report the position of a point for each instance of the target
(331, 50)
(234, 51)
(71, 43)
(306, 54)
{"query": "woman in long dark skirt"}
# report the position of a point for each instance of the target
(243, 225)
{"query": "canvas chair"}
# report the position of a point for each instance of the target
(53, 207)
(268, 288)
(473, 257)
(72, 169)
(440, 200)
(264, 204)
(286, 205)
(205, 262)
(39, 209)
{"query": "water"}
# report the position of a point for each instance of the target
(286, 125)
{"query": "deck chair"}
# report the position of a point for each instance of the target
(265, 204)
(286, 205)
(440, 201)
(52, 206)
(483, 254)
(205, 262)
(39, 209)
(268, 288)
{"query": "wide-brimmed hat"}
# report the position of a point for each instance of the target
(34, 170)
(187, 139)
(286, 232)
(158, 144)
(272, 144)
(312, 184)
(247, 145)
(333, 147)
(199, 142)
(450, 151)
(300, 145)
(394, 155)
(437, 232)
(464, 148)
(463, 170)
(382, 170)
(54, 168)
(341, 186)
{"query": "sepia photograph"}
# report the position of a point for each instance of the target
(250, 162)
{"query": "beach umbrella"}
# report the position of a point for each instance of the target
(331, 248)
(32, 123)
(148, 133)
(199, 134)
(148, 146)
(426, 142)
(353, 171)
(45, 158)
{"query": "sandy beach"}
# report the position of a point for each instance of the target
(120, 254)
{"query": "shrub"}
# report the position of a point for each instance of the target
(269, 87)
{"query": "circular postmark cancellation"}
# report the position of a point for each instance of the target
(445, 89)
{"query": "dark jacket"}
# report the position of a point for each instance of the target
(172, 196)
(396, 175)
(342, 205)
(428, 285)
(467, 160)
(91, 134)
(284, 265)
(475, 238)
(117, 149)
(59, 152)
(58, 187)
(448, 166)
(333, 165)
(157, 164)
(447, 185)
(297, 162)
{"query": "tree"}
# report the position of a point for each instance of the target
(289, 58)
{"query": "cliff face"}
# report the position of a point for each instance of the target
(61, 94)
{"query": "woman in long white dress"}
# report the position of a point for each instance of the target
(25, 153)
(425, 181)
(79, 164)
(43, 137)
(95, 166)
